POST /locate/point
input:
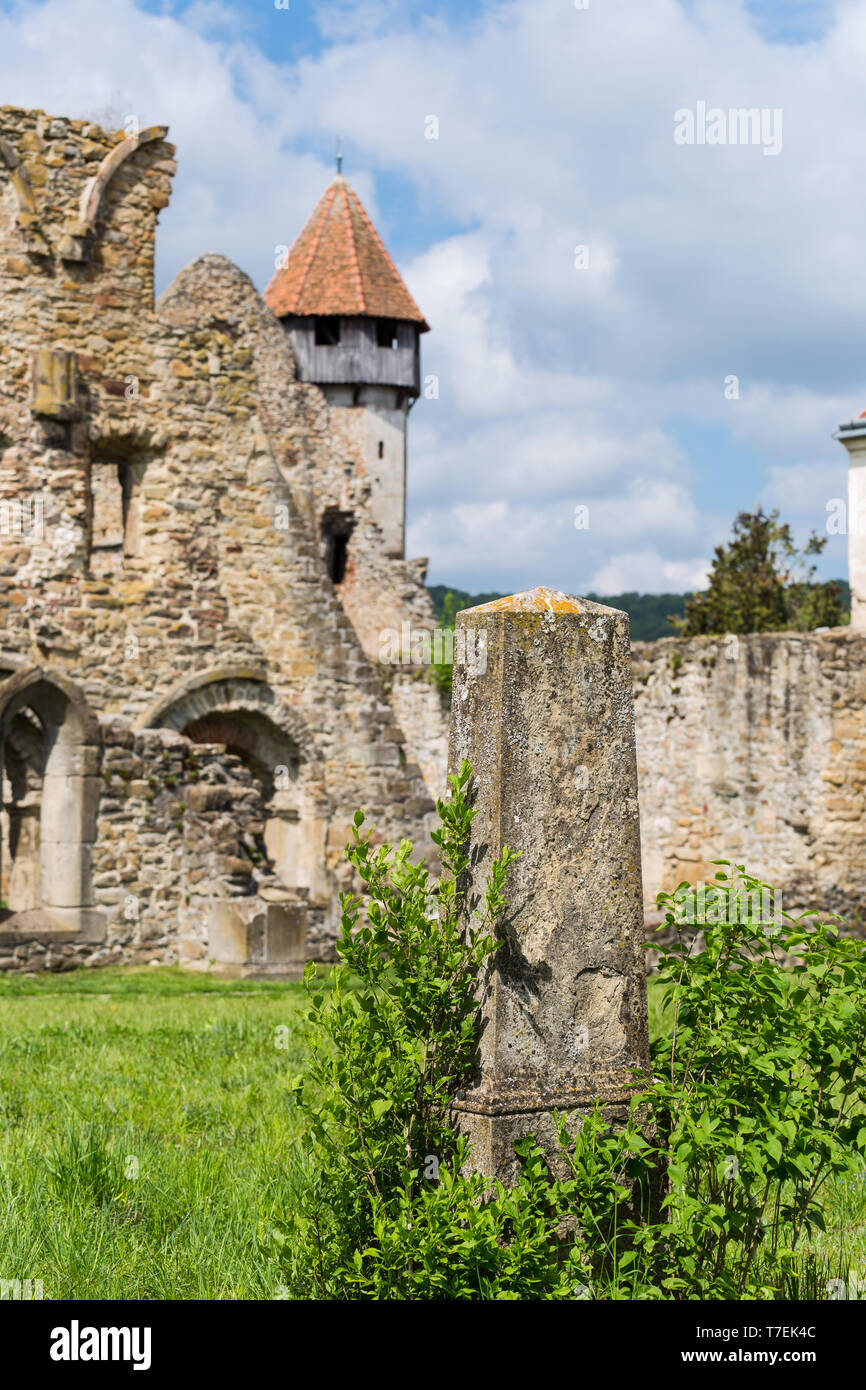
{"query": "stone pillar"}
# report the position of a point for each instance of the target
(853, 436)
(71, 790)
(252, 938)
(543, 710)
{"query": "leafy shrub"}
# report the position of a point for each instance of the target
(761, 1082)
(756, 1100)
(383, 1210)
(442, 673)
(705, 1192)
(761, 582)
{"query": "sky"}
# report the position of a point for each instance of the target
(637, 332)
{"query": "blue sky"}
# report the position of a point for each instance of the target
(601, 386)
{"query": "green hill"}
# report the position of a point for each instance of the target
(648, 613)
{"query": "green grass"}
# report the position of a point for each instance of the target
(174, 1077)
(182, 1074)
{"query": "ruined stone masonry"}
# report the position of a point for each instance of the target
(753, 749)
(195, 554)
(202, 516)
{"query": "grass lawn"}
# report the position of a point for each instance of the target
(145, 1126)
(173, 1076)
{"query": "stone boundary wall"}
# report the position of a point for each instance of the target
(421, 710)
(753, 749)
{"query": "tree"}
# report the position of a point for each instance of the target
(761, 582)
(442, 673)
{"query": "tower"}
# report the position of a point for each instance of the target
(853, 436)
(355, 332)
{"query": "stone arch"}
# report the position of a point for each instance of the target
(233, 687)
(91, 197)
(237, 707)
(49, 761)
(78, 235)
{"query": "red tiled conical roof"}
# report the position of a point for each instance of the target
(338, 265)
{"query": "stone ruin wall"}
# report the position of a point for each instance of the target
(421, 709)
(750, 749)
(380, 593)
(219, 580)
(753, 749)
(179, 827)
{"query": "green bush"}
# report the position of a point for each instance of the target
(385, 1212)
(761, 582)
(756, 1100)
(761, 1084)
(707, 1191)
(442, 673)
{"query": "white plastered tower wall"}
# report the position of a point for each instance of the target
(853, 436)
(386, 418)
(372, 422)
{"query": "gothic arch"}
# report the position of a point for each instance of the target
(91, 197)
(238, 707)
(228, 688)
(63, 702)
(49, 737)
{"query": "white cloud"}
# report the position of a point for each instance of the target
(645, 571)
(558, 385)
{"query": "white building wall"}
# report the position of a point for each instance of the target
(853, 436)
(372, 421)
(857, 536)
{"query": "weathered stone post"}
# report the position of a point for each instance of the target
(542, 708)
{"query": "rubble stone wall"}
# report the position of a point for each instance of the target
(180, 827)
(204, 564)
(753, 749)
(750, 749)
